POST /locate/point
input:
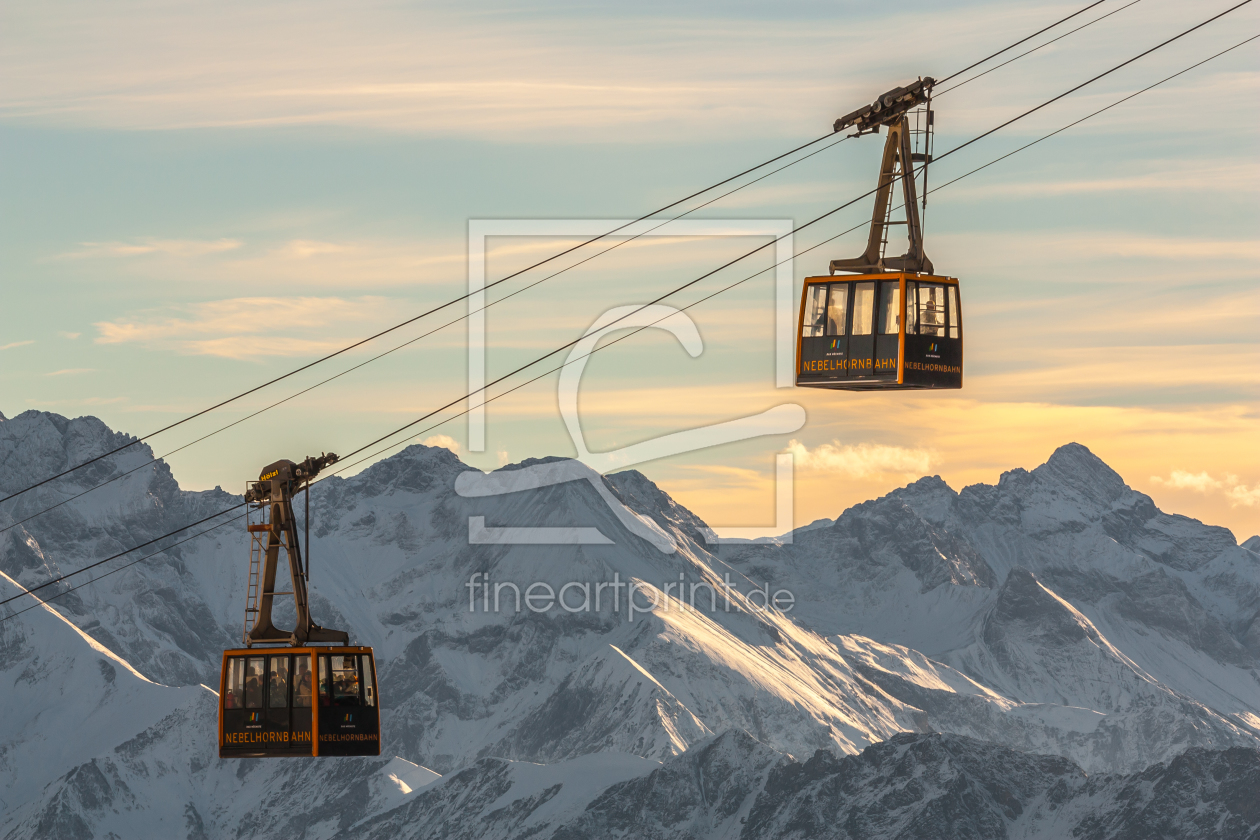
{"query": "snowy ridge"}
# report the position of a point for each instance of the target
(1057, 614)
(942, 787)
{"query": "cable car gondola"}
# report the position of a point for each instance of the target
(896, 325)
(300, 692)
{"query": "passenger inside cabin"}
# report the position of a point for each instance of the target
(346, 690)
(279, 689)
(234, 695)
(933, 318)
(302, 687)
(253, 693)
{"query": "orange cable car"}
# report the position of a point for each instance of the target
(896, 325)
(300, 692)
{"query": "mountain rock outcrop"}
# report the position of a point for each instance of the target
(1040, 655)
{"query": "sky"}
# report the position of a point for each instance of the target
(200, 197)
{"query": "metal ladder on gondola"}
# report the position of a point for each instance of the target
(897, 168)
(257, 548)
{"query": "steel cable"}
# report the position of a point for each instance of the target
(495, 283)
(690, 283)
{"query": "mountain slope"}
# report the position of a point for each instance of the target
(912, 786)
(1057, 613)
(67, 698)
(1175, 598)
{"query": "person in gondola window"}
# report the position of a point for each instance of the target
(253, 693)
(933, 323)
(302, 688)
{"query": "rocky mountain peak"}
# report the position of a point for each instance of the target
(639, 493)
(530, 462)
(930, 497)
(416, 469)
(1074, 466)
(907, 528)
(36, 443)
(1253, 544)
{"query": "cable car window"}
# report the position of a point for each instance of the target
(345, 680)
(254, 682)
(912, 308)
(815, 310)
(278, 684)
(955, 328)
(234, 691)
(302, 683)
(863, 308)
(931, 310)
(366, 663)
(323, 681)
(837, 308)
(889, 308)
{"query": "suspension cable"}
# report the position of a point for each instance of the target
(402, 324)
(794, 256)
(690, 283)
(1038, 47)
(1021, 41)
(411, 341)
(795, 230)
(438, 308)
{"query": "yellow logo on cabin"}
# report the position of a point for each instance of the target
(269, 475)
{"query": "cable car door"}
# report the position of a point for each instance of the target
(349, 712)
(862, 329)
(888, 330)
(824, 340)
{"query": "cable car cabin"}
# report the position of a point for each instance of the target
(298, 701)
(305, 691)
(891, 324)
(890, 331)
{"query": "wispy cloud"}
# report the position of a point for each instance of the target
(1162, 176)
(1182, 480)
(443, 441)
(69, 335)
(70, 371)
(13, 344)
(1078, 248)
(241, 328)
(1202, 482)
(1241, 495)
(861, 460)
(550, 73)
(84, 401)
(166, 247)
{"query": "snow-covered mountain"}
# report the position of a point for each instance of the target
(1058, 613)
(942, 787)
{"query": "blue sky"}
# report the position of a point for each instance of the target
(197, 198)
